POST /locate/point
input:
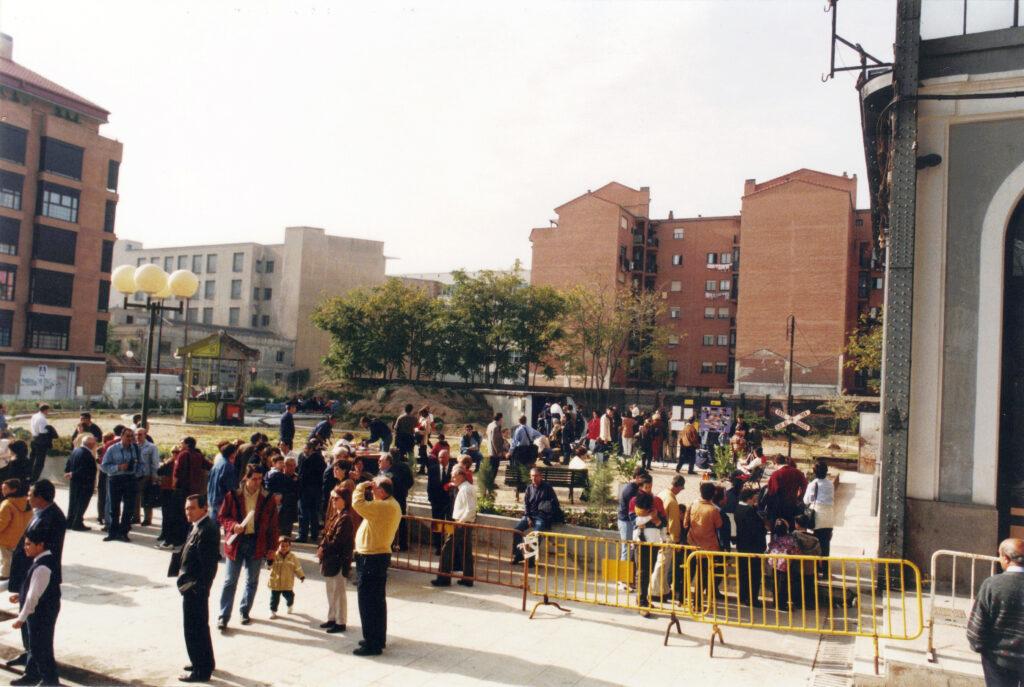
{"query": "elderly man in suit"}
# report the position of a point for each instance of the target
(996, 627)
(198, 568)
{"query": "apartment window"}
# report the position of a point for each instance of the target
(673, 340)
(726, 258)
(11, 185)
(10, 232)
(709, 313)
(721, 368)
(255, 321)
(712, 258)
(6, 325)
(103, 298)
(677, 260)
(197, 264)
(168, 263)
(858, 223)
(710, 285)
(100, 340)
(233, 315)
(279, 357)
(863, 285)
(182, 262)
(192, 315)
(12, 145)
(209, 289)
(211, 263)
(113, 170)
(724, 285)
(265, 320)
(154, 261)
(107, 256)
(207, 315)
(267, 293)
(707, 368)
(109, 213)
(165, 348)
(708, 339)
(677, 233)
(673, 313)
(8, 275)
(672, 366)
(723, 339)
(47, 287)
(140, 262)
(60, 158)
(49, 332)
(723, 313)
(879, 283)
(255, 293)
(269, 268)
(129, 319)
(676, 286)
(55, 245)
(237, 259)
(236, 289)
(58, 202)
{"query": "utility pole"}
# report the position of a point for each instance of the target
(791, 335)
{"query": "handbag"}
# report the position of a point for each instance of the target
(151, 495)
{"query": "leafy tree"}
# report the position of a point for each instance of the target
(864, 350)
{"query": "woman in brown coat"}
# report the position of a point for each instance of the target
(337, 545)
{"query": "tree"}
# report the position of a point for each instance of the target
(537, 328)
(864, 350)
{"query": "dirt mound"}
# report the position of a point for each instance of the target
(453, 407)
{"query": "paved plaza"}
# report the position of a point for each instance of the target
(121, 623)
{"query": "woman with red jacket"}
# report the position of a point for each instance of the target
(249, 520)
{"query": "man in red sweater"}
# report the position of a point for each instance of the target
(786, 488)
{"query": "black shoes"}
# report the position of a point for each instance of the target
(110, 537)
(465, 583)
(364, 651)
(26, 680)
(335, 629)
(222, 624)
(441, 582)
(246, 620)
(19, 660)
(329, 623)
(189, 677)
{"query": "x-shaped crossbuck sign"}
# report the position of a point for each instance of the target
(794, 420)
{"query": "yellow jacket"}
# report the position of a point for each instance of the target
(675, 524)
(15, 515)
(283, 572)
(380, 522)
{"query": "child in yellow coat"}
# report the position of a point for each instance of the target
(283, 570)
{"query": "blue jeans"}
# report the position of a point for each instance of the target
(539, 525)
(309, 515)
(626, 535)
(245, 557)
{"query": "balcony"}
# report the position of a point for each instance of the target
(652, 242)
(652, 268)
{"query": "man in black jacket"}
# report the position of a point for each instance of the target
(49, 524)
(394, 467)
(287, 431)
(439, 475)
(996, 627)
(750, 538)
(379, 431)
(323, 430)
(80, 470)
(198, 568)
(85, 424)
(311, 482)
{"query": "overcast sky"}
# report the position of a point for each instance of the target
(446, 129)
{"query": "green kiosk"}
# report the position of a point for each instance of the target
(217, 372)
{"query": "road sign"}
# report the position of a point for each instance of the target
(794, 420)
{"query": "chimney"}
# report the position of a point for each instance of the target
(671, 215)
(748, 186)
(6, 47)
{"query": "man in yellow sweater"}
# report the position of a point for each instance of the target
(381, 517)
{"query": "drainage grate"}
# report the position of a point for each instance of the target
(833, 662)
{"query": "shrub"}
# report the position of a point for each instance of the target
(723, 466)
(488, 487)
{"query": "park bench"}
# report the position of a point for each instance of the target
(556, 476)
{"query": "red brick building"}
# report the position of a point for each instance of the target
(805, 250)
(58, 198)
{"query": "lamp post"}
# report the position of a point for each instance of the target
(158, 286)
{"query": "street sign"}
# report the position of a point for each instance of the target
(794, 420)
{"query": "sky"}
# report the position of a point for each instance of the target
(447, 129)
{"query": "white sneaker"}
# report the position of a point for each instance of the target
(289, 610)
(273, 615)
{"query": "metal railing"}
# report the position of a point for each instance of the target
(469, 552)
(951, 612)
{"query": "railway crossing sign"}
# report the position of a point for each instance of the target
(794, 420)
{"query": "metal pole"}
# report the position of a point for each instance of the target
(791, 333)
(153, 309)
(159, 340)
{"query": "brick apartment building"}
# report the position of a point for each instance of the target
(806, 251)
(58, 197)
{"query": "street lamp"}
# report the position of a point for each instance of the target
(158, 286)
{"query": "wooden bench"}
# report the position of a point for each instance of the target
(555, 476)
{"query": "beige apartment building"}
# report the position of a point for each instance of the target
(263, 295)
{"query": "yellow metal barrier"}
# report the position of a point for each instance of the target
(861, 597)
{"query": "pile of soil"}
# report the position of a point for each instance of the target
(453, 407)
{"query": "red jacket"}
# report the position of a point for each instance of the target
(789, 483)
(189, 471)
(232, 512)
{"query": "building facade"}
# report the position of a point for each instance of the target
(58, 201)
(722, 337)
(262, 295)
